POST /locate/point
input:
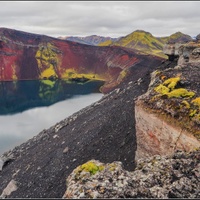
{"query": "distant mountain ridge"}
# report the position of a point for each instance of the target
(137, 40)
(146, 42)
(89, 40)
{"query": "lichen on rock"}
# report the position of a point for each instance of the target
(175, 176)
(176, 95)
(91, 166)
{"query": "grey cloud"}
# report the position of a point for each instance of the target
(56, 18)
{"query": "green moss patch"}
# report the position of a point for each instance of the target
(168, 87)
(196, 101)
(170, 98)
(181, 92)
(171, 82)
(162, 89)
(90, 167)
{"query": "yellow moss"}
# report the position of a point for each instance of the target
(122, 75)
(171, 82)
(101, 167)
(48, 82)
(181, 92)
(112, 167)
(90, 167)
(14, 76)
(48, 73)
(192, 113)
(161, 89)
(196, 101)
(105, 43)
(71, 74)
(157, 72)
(186, 104)
(47, 60)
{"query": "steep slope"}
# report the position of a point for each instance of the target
(168, 115)
(89, 40)
(104, 130)
(167, 119)
(31, 56)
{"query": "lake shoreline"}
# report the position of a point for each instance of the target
(104, 130)
(26, 124)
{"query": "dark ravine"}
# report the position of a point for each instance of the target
(104, 131)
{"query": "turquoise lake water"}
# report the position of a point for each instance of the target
(28, 107)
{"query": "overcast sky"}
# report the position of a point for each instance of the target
(104, 18)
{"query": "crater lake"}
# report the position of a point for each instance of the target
(28, 107)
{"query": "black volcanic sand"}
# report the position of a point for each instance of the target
(104, 131)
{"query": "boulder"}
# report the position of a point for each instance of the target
(176, 176)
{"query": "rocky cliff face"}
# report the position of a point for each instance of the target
(189, 54)
(173, 42)
(167, 116)
(160, 136)
(171, 50)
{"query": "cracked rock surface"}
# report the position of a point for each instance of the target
(176, 176)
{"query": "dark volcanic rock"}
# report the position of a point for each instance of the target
(198, 37)
(104, 131)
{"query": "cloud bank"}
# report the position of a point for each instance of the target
(104, 18)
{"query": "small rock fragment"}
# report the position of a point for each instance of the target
(11, 187)
(66, 150)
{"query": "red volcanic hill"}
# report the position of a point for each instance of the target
(26, 56)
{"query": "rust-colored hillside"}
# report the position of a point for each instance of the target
(31, 56)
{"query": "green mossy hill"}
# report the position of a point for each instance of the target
(175, 95)
(142, 41)
(178, 37)
(106, 43)
(147, 43)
